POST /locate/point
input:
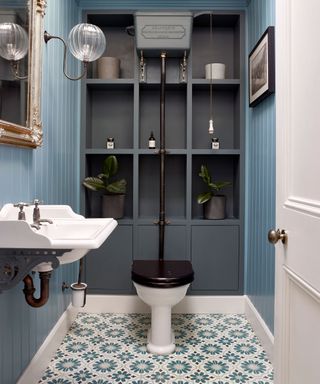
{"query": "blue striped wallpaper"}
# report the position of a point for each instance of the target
(51, 174)
(260, 207)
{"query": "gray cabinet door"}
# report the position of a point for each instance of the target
(109, 267)
(215, 258)
(175, 245)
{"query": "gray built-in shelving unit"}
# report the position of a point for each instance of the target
(128, 111)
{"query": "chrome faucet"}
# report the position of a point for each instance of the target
(36, 216)
(36, 211)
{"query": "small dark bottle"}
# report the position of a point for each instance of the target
(110, 143)
(152, 141)
(215, 143)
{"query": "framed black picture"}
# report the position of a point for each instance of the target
(262, 68)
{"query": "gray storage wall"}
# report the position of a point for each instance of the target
(128, 111)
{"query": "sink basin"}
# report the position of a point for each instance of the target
(69, 231)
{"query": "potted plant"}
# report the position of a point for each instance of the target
(214, 203)
(114, 190)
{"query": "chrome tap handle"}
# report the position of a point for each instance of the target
(21, 204)
(21, 214)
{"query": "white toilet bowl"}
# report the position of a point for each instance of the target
(161, 339)
(161, 284)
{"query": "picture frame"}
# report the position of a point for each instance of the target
(261, 68)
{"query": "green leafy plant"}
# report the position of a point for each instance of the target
(103, 182)
(214, 187)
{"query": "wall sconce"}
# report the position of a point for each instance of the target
(86, 42)
(14, 44)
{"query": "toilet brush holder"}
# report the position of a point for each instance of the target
(79, 294)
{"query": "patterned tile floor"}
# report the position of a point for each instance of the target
(111, 348)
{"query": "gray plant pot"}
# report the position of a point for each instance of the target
(113, 206)
(215, 208)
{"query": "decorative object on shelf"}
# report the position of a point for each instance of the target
(262, 68)
(214, 205)
(152, 141)
(215, 71)
(211, 128)
(13, 46)
(108, 68)
(113, 199)
(215, 143)
(110, 143)
(183, 69)
(86, 43)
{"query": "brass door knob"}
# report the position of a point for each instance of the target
(275, 235)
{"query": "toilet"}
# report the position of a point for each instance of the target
(161, 284)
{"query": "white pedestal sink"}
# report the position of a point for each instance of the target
(68, 231)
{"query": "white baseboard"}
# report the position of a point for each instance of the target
(260, 327)
(41, 359)
(190, 304)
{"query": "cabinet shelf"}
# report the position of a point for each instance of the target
(112, 83)
(226, 116)
(153, 84)
(176, 115)
(101, 151)
(169, 151)
(221, 168)
(217, 83)
(216, 151)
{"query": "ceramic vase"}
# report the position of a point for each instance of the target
(108, 68)
(215, 71)
(215, 208)
(113, 206)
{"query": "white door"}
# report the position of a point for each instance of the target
(297, 317)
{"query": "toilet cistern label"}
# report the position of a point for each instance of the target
(163, 31)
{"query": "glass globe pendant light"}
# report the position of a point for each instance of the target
(86, 43)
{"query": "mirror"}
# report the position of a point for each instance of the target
(28, 92)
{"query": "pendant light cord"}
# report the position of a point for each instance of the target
(211, 50)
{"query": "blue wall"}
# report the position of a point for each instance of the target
(260, 207)
(51, 174)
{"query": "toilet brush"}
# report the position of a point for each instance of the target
(79, 290)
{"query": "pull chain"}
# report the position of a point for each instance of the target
(211, 129)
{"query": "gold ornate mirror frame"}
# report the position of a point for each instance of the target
(31, 135)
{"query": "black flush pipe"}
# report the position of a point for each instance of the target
(162, 152)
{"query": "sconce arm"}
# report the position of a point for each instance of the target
(47, 37)
(14, 66)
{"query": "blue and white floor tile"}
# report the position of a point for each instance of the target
(111, 348)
